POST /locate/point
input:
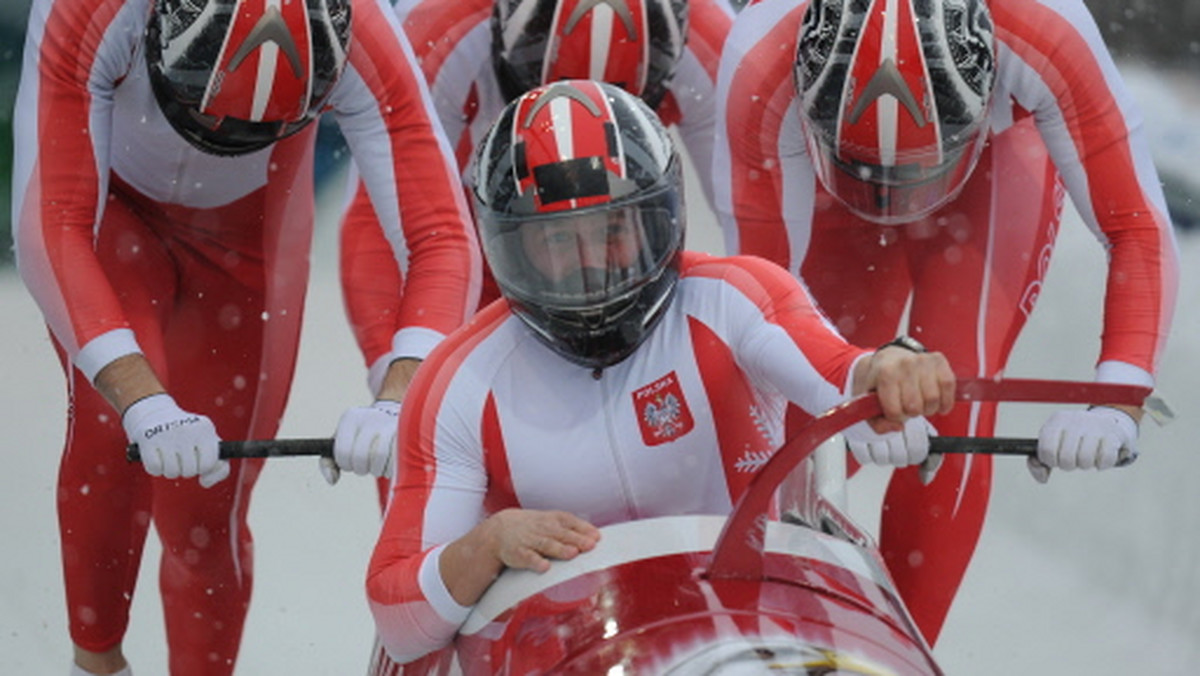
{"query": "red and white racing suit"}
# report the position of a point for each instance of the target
(495, 419)
(131, 240)
(969, 274)
(453, 45)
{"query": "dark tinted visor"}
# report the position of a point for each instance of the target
(580, 258)
(220, 136)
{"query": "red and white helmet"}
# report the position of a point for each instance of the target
(234, 76)
(895, 96)
(580, 210)
(634, 44)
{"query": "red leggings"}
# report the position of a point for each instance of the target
(969, 276)
(215, 298)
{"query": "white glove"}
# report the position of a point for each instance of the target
(365, 441)
(1098, 438)
(908, 447)
(174, 443)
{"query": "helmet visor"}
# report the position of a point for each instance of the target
(219, 135)
(231, 136)
(583, 258)
(899, 192)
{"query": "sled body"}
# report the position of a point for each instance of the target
(641, 603)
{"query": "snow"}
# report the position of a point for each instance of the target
(1095, 573)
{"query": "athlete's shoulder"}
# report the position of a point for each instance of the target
(466, 337)
(87, 42)
(706, 17)
(760, 17)
(709, 23)
(1057, 38)
(468, 351)
(1026, 20)
(116, 24)
(95, 10)
(1062, 6)
(437, 25)
(749, 274)
(762, 40)
(369, 21)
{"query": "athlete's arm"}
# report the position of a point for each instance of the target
(440, 484)
(445, 40)
(62, 123)
(396, 381)
(781, 339)
(1060, 69)
(384, 111)
(758, 147)
(126, 380)
(692, 89)
(512, 538)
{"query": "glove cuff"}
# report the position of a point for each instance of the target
(1136, 426)
(389, 405)
(146, 405)
(139, 411)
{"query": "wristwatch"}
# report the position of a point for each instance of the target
(906, 342)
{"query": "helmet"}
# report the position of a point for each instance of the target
(234, 76)
(634, 44)
(580, 210)
(894, 104)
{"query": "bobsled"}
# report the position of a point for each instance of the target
(787, 583)
(779, 586)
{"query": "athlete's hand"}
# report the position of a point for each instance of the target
(909, 446)
(174, 443)
(909, 384)
(365, 441)
(516, 538)
(1097, 438)
(530, 538)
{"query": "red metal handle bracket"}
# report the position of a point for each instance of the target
(739, 550)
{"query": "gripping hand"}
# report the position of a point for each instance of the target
(365, 441)
(1098, 438)
(174, 443)
(907, 447)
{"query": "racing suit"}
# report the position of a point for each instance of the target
(132, 241)
(968, 276)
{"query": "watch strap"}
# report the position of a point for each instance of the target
(907, 342)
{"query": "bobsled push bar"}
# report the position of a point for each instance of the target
(278, 448)
(260, 448)
(831, 422)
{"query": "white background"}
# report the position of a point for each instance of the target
(1094, 573)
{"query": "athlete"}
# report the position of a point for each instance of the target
(911, 157)
(480, 54)
(618, 378)
(163, 221)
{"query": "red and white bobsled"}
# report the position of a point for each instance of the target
(646, 602)
(743, 594)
